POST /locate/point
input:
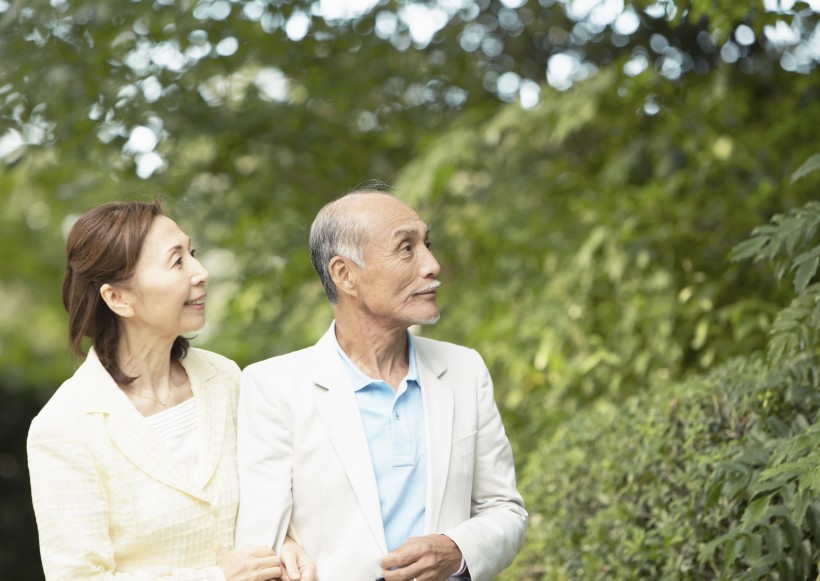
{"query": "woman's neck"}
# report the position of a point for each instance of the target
(149, 360)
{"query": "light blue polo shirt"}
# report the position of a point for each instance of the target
(394, 425)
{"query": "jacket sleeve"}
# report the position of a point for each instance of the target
(71, 507)
(264, 450)
(494, 533)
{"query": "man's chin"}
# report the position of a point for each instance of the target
(431, 320)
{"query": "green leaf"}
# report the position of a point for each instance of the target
(753, 548)
(748, 248)
(812, 481)
(755, 512)
(774, 541)
(813, 521)
(789, 469)
(810, 165)
(806, 264)
(768, 485)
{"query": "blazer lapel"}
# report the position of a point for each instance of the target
(130, 432)
(437, 398)
(340, 416)
(212, 408)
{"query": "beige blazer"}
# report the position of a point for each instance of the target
(111, 500)
(303, 457)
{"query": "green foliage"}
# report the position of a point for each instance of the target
(782, 492)
(582, 242)
(780, 242)
(771, 482)
(597, 229)
(714, 478)
(812, 164)
(790, 243)
(600, 247)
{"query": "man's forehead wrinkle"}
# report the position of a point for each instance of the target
(410, 230)
(382, 216)
(396, 223)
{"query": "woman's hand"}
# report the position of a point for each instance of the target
(296, 565)
(253, 563)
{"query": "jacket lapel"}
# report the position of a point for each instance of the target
(129, 431)
(340, 416)
(437, 398)
(212, 408)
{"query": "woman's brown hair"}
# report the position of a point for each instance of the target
(104, 246)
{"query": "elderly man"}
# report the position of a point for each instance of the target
(384, 453)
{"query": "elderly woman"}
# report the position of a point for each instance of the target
(132, 461)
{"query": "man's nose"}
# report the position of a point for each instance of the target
(429, 266)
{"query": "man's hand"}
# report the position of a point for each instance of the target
(427, 558)
(296, 565)
(252, 563)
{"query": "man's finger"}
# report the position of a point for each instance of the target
(290, 566)
(402, 556)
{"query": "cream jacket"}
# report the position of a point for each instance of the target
(111, 500)
(304, 458)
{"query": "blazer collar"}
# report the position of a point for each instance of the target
(439, 406)
(340, 415)
(130, 432)
(335, 376)
(329, 371)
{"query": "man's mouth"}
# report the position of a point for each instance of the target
(429, 289)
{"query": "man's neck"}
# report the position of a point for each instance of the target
(378, 352)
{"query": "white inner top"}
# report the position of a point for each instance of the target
(176, 427)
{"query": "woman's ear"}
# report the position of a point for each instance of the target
(344, 276)
(117, 300)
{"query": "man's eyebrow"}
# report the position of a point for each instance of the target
(410, 232)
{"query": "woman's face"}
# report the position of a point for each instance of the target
(168, 287)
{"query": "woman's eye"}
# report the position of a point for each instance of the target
(193, 252)
(178, 261)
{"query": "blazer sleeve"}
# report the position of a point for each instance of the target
(70, 504)
(264, 449)
(494, 533)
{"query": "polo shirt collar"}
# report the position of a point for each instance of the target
(358, 379)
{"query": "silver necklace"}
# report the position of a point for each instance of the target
(159, 401)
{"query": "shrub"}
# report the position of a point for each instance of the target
(711, 478)
(716, 477)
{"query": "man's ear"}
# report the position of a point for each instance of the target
(117, 300)
(344, 276)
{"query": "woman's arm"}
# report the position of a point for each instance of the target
(71, 506)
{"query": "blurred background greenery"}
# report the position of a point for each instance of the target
(587, 167)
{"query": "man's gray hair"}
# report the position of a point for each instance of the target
(336, 232)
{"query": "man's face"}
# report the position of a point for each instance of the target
(398, 283)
